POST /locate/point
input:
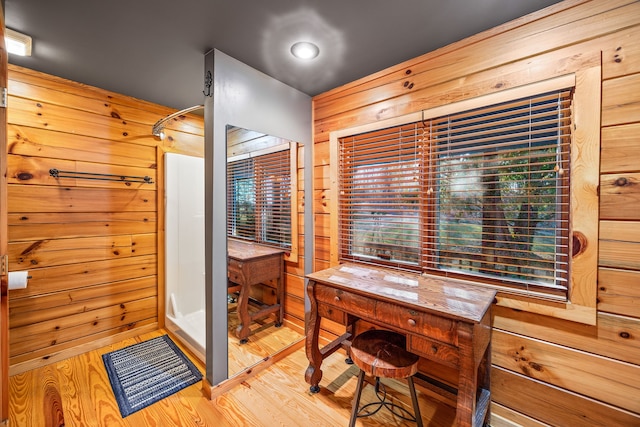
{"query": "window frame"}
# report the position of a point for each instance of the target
(580, 305)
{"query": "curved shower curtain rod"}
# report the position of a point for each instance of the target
(158, 127)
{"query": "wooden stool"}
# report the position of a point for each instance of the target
(382, 354)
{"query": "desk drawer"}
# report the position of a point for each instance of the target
(434, 350)
(351, 303)
(332, 313)
(417, 322)
(234, 271)
(254, 271)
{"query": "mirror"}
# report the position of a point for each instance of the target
(262, 230)
(262, 202)
(249, 99)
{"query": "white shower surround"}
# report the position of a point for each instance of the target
(184, 250)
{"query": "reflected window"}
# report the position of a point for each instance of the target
(259, 199)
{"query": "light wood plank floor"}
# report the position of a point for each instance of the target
(265, 340)
(76, 392)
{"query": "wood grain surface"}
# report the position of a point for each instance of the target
(76, 392)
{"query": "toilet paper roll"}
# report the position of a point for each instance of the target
(18, 279)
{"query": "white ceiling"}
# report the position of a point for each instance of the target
(154, 49)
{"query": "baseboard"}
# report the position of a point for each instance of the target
(38, 362)
(213, 391)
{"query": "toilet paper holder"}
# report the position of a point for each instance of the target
(18, 280)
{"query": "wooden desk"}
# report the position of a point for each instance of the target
(445, 321)
(250, 264)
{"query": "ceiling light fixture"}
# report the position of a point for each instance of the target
(17, 43)
(305, 50)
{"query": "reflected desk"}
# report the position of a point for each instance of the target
(250, 264)
(445, 321)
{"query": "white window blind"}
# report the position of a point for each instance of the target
(380, 199)
(259, 199)
(482, 193)
(499, 187)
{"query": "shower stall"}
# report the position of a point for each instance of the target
(184, 250)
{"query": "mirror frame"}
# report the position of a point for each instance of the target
(246, 98)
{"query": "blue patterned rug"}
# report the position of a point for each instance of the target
(144, 373)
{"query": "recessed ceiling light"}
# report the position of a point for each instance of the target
(17, 43)
(305, 50)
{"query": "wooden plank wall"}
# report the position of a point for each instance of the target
(90, 246)
(546, 371)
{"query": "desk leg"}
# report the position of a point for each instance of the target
(280, 294)
(484, 382)
(244, 319)
(313, 375)
(468, 380)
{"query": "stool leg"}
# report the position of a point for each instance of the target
(356, 400)
(414, 400)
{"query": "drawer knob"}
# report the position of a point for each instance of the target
(434, 349)
(411, 322)
(336, 298)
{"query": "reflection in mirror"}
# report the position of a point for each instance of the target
(262, 205)
(262, 230)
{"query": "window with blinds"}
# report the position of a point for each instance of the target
(481, 193)
(380, 201)
(259, 199)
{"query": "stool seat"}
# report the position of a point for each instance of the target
(382, 354)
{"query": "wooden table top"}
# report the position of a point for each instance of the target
(446, 297)
(244, 251)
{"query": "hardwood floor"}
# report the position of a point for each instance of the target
(76, 392)
(265, 340)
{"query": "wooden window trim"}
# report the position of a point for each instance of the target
(585, 159)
